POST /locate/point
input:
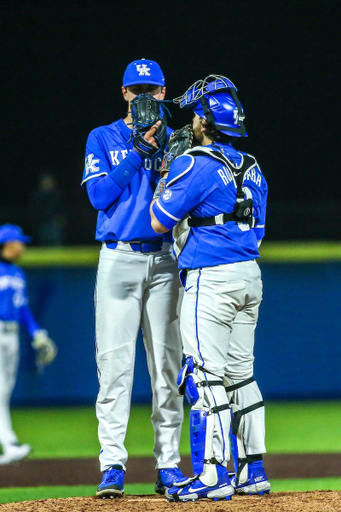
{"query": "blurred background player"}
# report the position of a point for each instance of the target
(46, 211)
(137, 286)
(220, 195)
(14, 311)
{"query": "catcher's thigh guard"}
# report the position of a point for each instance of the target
(202, 420)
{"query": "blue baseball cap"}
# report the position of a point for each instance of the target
(143, 72)
(12, 233)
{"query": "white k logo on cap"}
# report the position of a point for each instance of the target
(143, 69)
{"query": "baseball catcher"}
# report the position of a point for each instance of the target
(215, 198)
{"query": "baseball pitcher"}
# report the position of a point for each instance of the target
(137, 283)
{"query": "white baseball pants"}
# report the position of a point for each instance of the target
(218, 320)
(133, 290)
(9, 361)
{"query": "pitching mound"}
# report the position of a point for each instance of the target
(318, 501)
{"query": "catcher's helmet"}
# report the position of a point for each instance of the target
(215, 99)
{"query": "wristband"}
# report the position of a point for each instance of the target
(125, 171)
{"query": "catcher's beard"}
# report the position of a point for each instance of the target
(198, 134)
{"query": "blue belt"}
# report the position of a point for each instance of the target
(139, 246)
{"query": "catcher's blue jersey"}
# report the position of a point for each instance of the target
(13, 299)
(123, 214)
(203, 187)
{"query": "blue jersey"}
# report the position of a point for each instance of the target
(13, 300)
(201, 186)
(123, 208)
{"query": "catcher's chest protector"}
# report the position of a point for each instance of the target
(242, 211)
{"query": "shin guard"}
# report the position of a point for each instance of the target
(193, 384)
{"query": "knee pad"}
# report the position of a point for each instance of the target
(187, 369)
(189, 384)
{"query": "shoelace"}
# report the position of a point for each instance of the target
(113, 476)
(175, 472)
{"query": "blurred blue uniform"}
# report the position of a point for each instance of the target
(14, 311)
(13, 299)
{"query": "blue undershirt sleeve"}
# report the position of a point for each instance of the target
(123, 173)
(27, 320)
(104, 190)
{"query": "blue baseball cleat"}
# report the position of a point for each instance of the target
(168, 477)
(112, 483)
(196, 490)
(257, 482)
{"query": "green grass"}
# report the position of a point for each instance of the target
(294, 427)
(76, 256)
(300, 252)
(303, 427)
(40, 493)
(271, 252)
(57, 432)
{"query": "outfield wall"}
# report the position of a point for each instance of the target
(298, 348)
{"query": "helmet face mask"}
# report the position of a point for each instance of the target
(215, 99)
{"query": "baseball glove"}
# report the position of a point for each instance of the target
(145, 112)
(179, 142)
(45, 348)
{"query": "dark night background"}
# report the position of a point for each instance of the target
(61, 74)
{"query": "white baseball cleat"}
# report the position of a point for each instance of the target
(257, 482)
(14, 453)
(196, 490)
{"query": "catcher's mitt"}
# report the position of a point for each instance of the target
(179, 142)
(145, 112)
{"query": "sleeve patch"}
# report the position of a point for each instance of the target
(90, 164)
(167, 195)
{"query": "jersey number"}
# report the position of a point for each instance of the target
(242, 226)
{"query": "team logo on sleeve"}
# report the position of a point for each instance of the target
(90, 164)
(143, 69)
(167, 195)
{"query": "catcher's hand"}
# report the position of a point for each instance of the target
(179, 142)
(146, 111)
(46, 349)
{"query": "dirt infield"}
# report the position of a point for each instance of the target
(32, 473)
(319, 501)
